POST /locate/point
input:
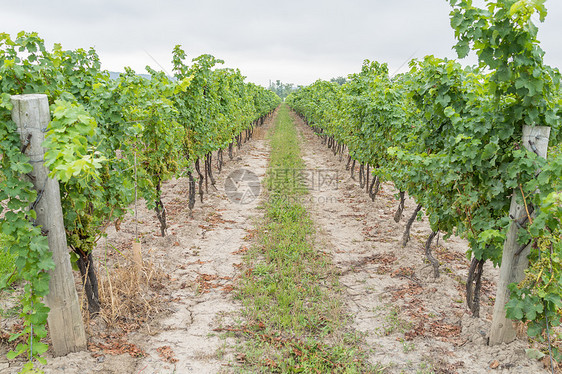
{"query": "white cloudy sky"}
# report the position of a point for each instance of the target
(296, 41)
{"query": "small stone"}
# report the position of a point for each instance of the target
(494, 364)
(4, 365)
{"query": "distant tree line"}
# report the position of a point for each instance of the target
(339, 80)
(284, 89)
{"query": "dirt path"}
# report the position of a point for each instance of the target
(411, 321)
(203, 263)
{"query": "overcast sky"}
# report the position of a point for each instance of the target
(296, 41)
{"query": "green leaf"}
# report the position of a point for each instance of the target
(517, 7)
(462, 48)
(489, 150)
(534, 353)
(534, 328)
(514, 309)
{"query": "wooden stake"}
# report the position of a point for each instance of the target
(137, 258)
(514, 261)
(66, 328)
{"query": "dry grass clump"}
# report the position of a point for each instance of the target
(131, 295)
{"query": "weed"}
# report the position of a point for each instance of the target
(393, 322)
(425, 368)
(407, 346)
(129, 299)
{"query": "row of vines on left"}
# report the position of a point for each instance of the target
(107, 138)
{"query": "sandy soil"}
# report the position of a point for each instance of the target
(411, 322)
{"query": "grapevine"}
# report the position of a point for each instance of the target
(450, 137)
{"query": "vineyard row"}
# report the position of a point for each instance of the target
(109, 142)
(469, 145)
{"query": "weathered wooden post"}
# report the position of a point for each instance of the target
(66, 328)
(514, 260)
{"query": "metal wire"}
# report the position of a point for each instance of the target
(549, 344)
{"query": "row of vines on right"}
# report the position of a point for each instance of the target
(451, 137)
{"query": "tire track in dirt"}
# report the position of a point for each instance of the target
(411, 321)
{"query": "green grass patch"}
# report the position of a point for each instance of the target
(292, 306)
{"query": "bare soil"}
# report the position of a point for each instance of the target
(410, 321)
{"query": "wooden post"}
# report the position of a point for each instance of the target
(66, 327)
(513, 265)
(137, 259)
